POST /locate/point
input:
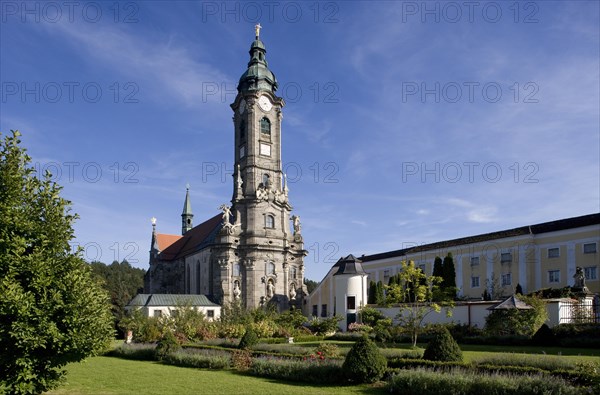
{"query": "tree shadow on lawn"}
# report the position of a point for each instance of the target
(370, 389)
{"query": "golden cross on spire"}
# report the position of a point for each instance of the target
(257, 29)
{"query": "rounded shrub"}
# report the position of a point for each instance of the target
(443, 347)
(249, 339)
(364, 363)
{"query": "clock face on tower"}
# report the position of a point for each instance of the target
(264, 103)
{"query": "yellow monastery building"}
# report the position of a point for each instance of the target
(537, 256)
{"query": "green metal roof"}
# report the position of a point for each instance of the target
(258, 76)
(187, 205)
(147, 300)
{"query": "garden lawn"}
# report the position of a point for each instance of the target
(471, 352)
(108, 376)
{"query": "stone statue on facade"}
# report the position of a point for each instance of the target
(226, 213)
(236, 290)
(579, 278)
(238, 179)
(297, 225)
(270, 289)
(292, 291)
(262, 193)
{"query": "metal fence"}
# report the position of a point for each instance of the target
(585, 311)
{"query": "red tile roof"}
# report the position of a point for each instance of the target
(195, 239)
(164, 240)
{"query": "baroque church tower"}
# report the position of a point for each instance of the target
(260, 253)
(253, 253)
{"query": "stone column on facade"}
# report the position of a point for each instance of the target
(249, 284)
(286, 278)
(225, 280)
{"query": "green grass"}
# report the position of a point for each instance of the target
(473, 352)
(115, 376)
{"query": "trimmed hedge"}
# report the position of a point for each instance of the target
(425, 382)
(325, 371)
(195, 359)
(138, 352)
(576, 377)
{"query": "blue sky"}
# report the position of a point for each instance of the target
(406, 122)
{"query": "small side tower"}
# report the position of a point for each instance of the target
(350, 289)
(186, 215)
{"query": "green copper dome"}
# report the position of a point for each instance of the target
(258, 76)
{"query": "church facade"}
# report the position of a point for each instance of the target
(253, 251)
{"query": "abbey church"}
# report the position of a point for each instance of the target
(252, 251)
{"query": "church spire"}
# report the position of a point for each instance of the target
(186, 215)
(258, 76)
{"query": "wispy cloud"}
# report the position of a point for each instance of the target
(166, 66)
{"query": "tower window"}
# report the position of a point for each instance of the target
(351, 303)
(293, 272)
(243, 131)
(265, 126)
(270, 222)
(271, 268)
(265, 180)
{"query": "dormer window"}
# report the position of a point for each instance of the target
(265, 126)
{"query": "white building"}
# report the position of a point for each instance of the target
(166, 305)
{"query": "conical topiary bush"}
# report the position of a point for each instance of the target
(443, 347)
(364, 363)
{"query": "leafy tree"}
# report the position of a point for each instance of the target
(371, 316)
(518, 322)
(372, 297)
(395, 279)
(449, 275)
(438, 267)
(122, 282)
(364, 362)
(415, 293)
(323, 326)
(493, 287)
(310, 285)
(52, 311)
(379, 295)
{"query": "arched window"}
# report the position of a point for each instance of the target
(294, 273)
(236, 269)
(266, 180)
(270, 268)
(265, 126)
(269, 222)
